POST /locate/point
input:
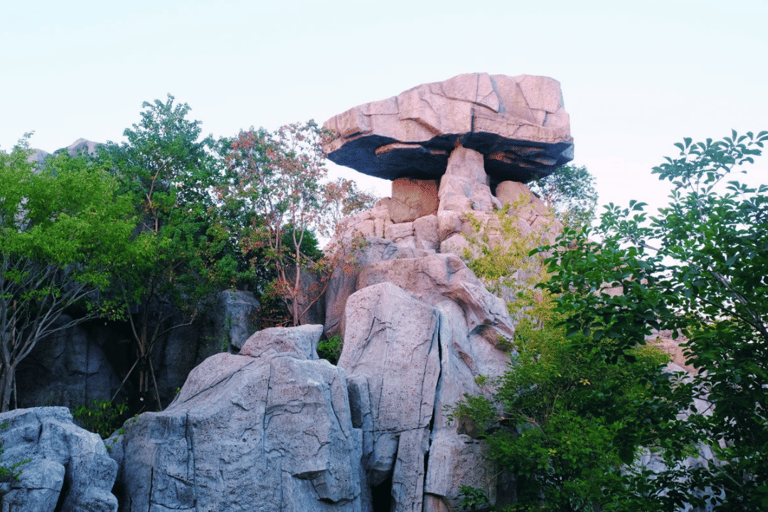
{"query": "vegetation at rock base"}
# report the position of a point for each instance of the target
(10, 472)
(699, 267)
(330, 349)
(586, 395)
(64, 229)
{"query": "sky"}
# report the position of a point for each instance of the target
(636, 76)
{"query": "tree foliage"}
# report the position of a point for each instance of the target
(179, 249)
(277, 195)
(699, 268)
(561, 419)
(570, 192)
(63, 230)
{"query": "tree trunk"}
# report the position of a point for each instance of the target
(7, 377)
(296, 291)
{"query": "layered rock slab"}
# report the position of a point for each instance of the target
(269, 429)
(517, 123)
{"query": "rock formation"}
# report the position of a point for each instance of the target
(87, 362)
(274, 428)
(268, 429)
(68, 468)
(517, 123)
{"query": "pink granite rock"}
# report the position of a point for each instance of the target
(412, 199)
(517, 123)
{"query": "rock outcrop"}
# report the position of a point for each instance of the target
(68, 468)
(517, 123)
(273, 427)
(268, 429)
(88, 361)
(68, 368)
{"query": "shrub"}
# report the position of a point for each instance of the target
(100, 416)
(330, 349)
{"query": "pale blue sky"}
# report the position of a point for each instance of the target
(636, 76)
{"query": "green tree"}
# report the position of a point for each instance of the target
(562, 420)
(570, 192)
(699, 268)
(180, 243)
(63, 230)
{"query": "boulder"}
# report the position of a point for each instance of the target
(437, 277)
(401, 307)
(464, 186)
(267, 429)
(456, 458)
(518, 124)
(530, 211)
(412, 198)
(83, 146)
(68, 469)
(343, 280)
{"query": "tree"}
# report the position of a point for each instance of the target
(697, 268)
(562, 420)
(340, 199)
(63, 230)
(276, 185)
(570, 192)
(179, 247)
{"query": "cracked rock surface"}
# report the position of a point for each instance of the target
(518, 124)
(269, 429)
(68, 469)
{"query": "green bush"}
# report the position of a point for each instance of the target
(562, 419)
(330, 349)
(473, 499)
(100, 416)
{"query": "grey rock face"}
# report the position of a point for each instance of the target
(434, 278)
(391, 339)
(465, 186)
(69, 368)
(415, 340)
(69, 468)
(269, 429)
(343, 281)
(236, 317)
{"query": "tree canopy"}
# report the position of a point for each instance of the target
(586, 396)
(697, 268)
(64, 229)
(179, 249)
(570, 193)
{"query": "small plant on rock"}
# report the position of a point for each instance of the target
(100, 416)
(330, 349)
(12, 472)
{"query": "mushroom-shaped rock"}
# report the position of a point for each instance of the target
(517, 123)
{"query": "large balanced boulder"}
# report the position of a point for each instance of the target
(268, 429)
(517, 123)
(67, 467)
